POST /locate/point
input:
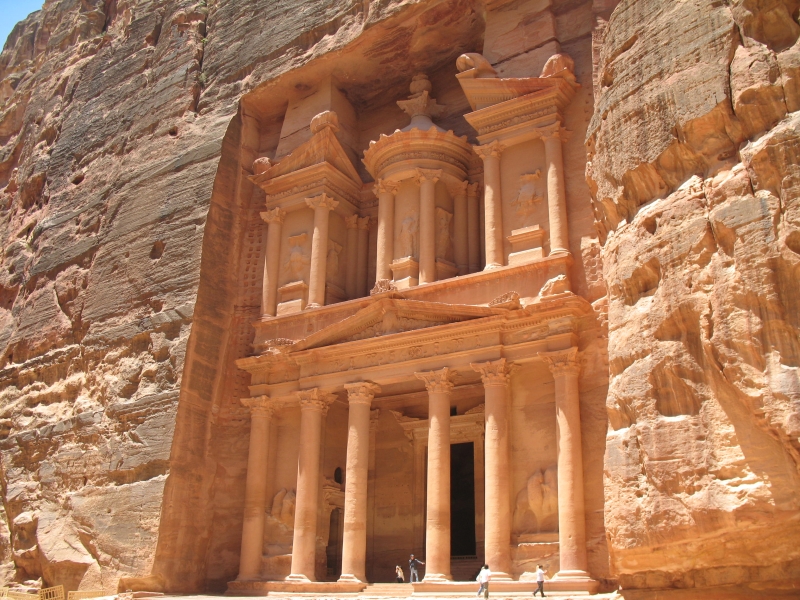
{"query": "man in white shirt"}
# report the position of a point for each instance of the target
(540, 580)
(483, 578)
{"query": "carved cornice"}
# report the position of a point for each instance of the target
(562, 362)
(362, 392)
(382, 286)
(260, 406)
(276, 215)
(493, 149)
(436, 381)
(315, 400)
(493, 373)
(322, 201)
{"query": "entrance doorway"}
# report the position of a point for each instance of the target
(462, 500)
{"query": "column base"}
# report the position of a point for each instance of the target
(282, 588)
(501, 576)
(313, 305)
(297, 578)
(491, 266)
(436, 578)
(571, 574)
(348, 578)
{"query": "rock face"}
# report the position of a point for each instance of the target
(129, 274)
(694, 169)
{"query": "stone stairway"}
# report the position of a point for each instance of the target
(388, 590)
(465, 568)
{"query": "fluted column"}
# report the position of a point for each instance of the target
(571, 512)
(322, 206)
(354, 546)
(427, 223)
(385, 191)
(460, 227)
(473, 228)
(437, 525)
(493, 203)
(269, 293)
(556, 194)
(255, 491)
(313, 406)
(351, 223)
(363, 238)
(497, 527)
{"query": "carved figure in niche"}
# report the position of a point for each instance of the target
(444, 243)
(298, 259)
(283, 507)
(407, 240)
(536, 508)
(527, 197)
(332, 266)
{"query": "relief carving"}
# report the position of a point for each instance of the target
(444, 242)
(536, 508)
(283, 507)
(334, 250)
(527, 197)
(298, 260)
(407, 240)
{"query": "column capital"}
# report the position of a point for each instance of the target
(429, 175)
(562, 361)
(322, 201)
(457, 188)
(260, 406)
(384, 186)
(493, 373)
(554, 131)
(472, 190)
(494, 148)
(315, 400)
(361, 392)
(363, 223)
(351, 222)
(276, 215)
(436, 381)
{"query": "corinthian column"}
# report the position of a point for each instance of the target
(354, 547)
(351, 283)
(571, 518)
(473, 228)
(385, 191)
(460, 227)
(427, 223)
(322, 206)
(255, 491)
(493, 203)
(437, 526)
(313, 405)
(272, 255)
(497, 527)
(363, 238)
(556, 195)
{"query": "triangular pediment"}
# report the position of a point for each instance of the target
(389, 316)
(323, 148)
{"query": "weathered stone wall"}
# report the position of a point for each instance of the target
(694, 171)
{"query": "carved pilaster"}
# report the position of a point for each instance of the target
(261, 406)
(562, 362)
(276, 215)
(322, 201)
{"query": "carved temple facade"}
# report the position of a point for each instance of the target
(415, 384)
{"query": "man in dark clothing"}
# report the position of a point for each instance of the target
(412, 566)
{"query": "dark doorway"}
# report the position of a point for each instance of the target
(462, 500)
(334, 550)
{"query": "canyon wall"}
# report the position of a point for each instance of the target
(694, 152)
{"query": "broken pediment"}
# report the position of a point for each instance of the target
(389, 316)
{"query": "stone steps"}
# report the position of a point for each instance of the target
(388, 590)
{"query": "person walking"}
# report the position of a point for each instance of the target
(399, 572)
(540, 580)
(413, 563)
(483, 578)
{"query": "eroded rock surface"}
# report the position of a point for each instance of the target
(694, 170)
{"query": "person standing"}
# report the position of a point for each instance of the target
(399, 573)
(540, 580)
(413, 563)
(483, 578)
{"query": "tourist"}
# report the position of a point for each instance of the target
(412, 566)
(540, 579)
(483, 578)
(399, 572)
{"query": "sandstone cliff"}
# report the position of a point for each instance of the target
(694, 150)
